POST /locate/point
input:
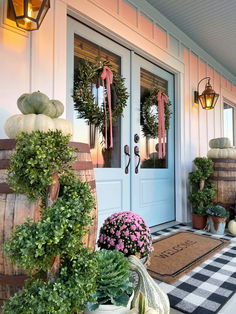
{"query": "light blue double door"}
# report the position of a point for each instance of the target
(130, 177)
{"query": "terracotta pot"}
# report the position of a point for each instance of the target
(217, 224)
(199, 222)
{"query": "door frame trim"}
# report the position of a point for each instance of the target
(176, 67)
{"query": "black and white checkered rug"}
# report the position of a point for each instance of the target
(208, 287)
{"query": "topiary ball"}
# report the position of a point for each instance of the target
(126, 232)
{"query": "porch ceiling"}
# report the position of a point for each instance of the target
(210, 23)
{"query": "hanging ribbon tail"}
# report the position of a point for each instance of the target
(159, 99)
(165, 99)
(108, 75)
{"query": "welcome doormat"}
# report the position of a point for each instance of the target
(207, 288)
(178, 253)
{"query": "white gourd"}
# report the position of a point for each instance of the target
(157, 299)
(221, 153)
(232, 226)
(141, 306)
(220, 142)
(33, 122)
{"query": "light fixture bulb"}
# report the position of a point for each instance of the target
(30, 12)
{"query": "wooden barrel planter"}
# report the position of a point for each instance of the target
(15, 208)
(224, 178)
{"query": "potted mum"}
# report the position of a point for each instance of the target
(217, 216)
(126, 232)
(114, 284)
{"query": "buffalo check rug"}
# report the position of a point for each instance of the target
(208, 287)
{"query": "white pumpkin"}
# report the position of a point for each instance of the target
(220, 142)
(27, 123)
(232, 226)
(33, 122)
(221, 153)
(63, 125)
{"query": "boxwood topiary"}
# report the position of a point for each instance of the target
(63, 271)
(203, 189)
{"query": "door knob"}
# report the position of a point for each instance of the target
(136, 138)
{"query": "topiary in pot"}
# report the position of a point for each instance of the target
(217, 216)
(115, 284)
(203, 190)
(62, 271)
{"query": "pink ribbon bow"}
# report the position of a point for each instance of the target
(108, 75)
(161, 98)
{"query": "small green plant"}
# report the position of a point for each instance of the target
(203, 189)
(38, 155)
(217, 211)
(115, 284)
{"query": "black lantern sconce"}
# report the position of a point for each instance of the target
(208, 98)
(29, 14)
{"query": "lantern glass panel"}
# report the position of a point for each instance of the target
(27, 24)
(215, 99)
(45, 9)
(18, 8)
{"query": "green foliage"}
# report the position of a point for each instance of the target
(205, 167)
(38, 155)
(59, 232)
(114, 279)
(85, 104)
(217, 211)
(69, 293)
(149, 120)
(34, 246)
(203, 189)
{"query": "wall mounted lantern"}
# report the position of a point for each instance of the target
(208, 98)
(29, 14)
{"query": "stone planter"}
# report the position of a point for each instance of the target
(217, 225)
(199, 222)
(110, 308)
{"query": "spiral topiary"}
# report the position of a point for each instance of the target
(203, 189)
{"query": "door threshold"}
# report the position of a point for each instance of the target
(164, 226)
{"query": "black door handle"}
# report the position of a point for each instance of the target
(126, 151)
(136, 152)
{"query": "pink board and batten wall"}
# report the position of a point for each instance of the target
(37, 61)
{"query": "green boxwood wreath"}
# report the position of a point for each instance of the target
(86, 74)
(149, 120)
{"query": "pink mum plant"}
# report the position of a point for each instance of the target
(126, 232)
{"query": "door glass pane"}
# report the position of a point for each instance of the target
(229, 122)
(101, 157)
(149, 146)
